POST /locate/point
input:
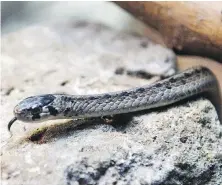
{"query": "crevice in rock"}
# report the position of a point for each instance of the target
(83, 172)
(64, 83)
(47, 134)
(9, 91)
(184, 173)
(137, 73)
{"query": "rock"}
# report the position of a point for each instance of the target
(178, 144)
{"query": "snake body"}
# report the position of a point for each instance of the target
(186, 84)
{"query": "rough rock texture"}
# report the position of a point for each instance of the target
(180, 144)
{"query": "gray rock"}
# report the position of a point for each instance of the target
(179, 144)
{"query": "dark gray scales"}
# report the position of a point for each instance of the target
(184, 85)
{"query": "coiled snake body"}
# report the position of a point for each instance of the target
(186, 84)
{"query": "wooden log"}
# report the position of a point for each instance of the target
(193, 28)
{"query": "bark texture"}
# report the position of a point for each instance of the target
(188, 27)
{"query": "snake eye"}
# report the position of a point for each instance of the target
(36, 110)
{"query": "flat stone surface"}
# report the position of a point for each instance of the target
(179, 144)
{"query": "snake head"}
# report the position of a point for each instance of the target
(35, 108)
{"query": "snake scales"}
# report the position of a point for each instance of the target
(191, 82)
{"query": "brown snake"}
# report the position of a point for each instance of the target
(189, 83)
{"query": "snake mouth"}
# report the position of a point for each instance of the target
(11, 122)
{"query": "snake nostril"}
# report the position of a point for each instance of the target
(16, 110)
